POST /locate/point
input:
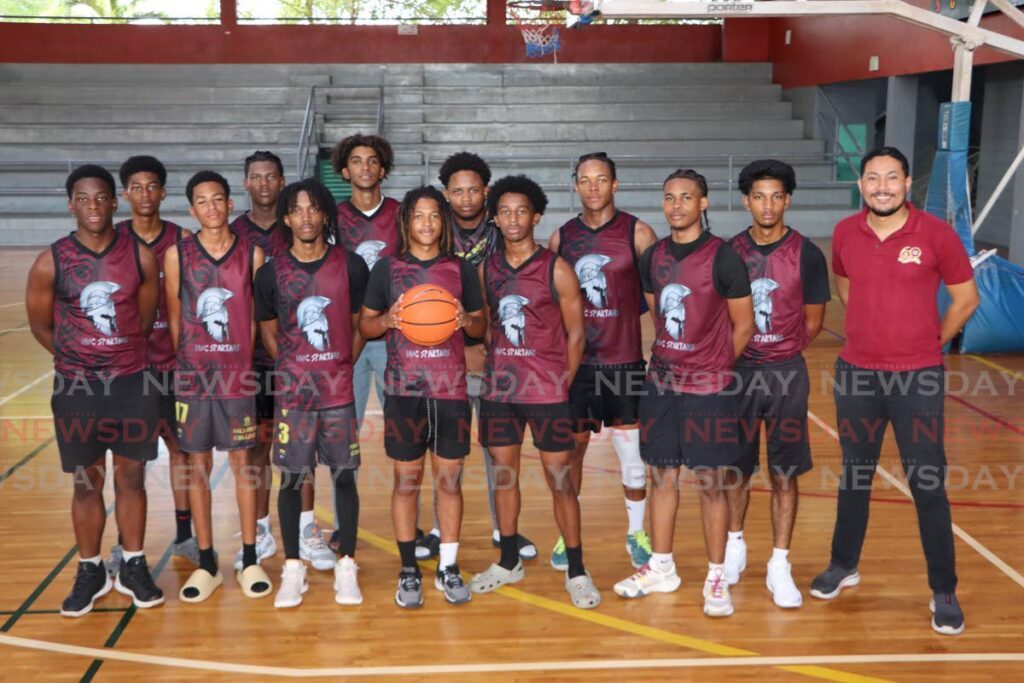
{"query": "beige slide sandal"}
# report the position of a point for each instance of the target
(200, 585)
(254, 581)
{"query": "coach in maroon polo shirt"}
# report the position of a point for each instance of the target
(888, 261)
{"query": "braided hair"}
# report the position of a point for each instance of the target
(319, 196)
(702, 183)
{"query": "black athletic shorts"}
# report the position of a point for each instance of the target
(265, 393)
(228, 424)
(160, 383)
(92, 416)
(698, 431)
(504, 424)
(305, 438)
(606, 394)
(413, 424)
(777, 396)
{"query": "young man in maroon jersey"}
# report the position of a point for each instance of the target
(465, 177)
(307, 302)
(603, 245)
(91, 300)
(535, 341)
(789, 286)
(427, 404)
(697, 288)
(209, 279)
(889, 260)
(144, 181)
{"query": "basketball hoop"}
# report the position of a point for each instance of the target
(537, 19)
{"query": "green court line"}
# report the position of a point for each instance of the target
(18, 465)
(57, 611)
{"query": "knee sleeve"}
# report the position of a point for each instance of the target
(627, 446)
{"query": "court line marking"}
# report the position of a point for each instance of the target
(616, 623)
(995, 366)
(784, 662)
(19, 392)
(19, 328)
(13, 303)
(21, 463)
(994, 559)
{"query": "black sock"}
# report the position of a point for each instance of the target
(119, 541)
(575, 557)
(289, 510)
(183, 518)
(207, 561)
(248, 554)
(346, 502)
(509, 551)
(407, 549)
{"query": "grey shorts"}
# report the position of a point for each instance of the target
(305, 438)
(228, 424)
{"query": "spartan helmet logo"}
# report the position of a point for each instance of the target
(761, 290)
(589, 270)
(370, 251)
(671, 306)
(211, 310)
(313, 322)
(513, 318)
(97, 302)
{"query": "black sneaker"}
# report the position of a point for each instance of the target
(91, 582)
(410, 589)
(427, 546)
(948, 618)
(830, 582)
(135, 581)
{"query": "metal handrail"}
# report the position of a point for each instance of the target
(835, 138)
(308, 119)
(380, 109)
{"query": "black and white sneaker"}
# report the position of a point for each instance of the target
(948, 618)
(135, 581)
(410, 589)
(91, 582)
(449, 580)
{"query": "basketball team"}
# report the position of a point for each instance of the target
(262, 337)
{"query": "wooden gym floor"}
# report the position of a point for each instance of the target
(876, 631)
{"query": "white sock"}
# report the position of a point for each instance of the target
(132, 554)
(436, 532)
(714, 569)
(662, 562)
(95, 560)
(635, 512)
(736, 537)
(496, 535)
(780, 555)
(449, 551)
(306, 517)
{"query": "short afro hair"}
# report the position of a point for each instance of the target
(517, 184)
(207, 177)
(343, 150)
(464, 161)
(767, 169)
(89, 171)
(142, 164)
(886, 152)
(263, 155)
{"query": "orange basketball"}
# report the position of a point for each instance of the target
(428, 315)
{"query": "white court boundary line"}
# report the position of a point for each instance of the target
(13, 303)
(441, 669)
(19, 392)
(994, 559)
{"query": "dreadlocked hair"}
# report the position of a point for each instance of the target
(405, 212)
(702, 183)
(319, 196)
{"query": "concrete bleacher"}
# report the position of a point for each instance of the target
(523, 118)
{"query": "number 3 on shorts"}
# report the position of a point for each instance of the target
(282, 432)
(180, 412)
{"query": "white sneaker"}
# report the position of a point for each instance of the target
(346, 582)
(735, 560)
(313, 549)
(648, 580)
(266, 546)
(781, 586)
(717, 601)
(293, 584)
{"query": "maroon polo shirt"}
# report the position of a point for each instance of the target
(892, 316)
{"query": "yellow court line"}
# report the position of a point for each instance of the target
(626, 626)
(996, 366)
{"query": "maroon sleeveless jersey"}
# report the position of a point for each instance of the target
(271, 241)
(215, 335)
(692, 351)
(528, 358)
(606, 265)
(778, 292)
(428, 371)
(371, 236)
(160, 352)
(314, 333)
(97, 331)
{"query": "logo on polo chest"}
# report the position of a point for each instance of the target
(910, 255)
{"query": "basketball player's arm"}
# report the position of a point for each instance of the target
(373, 322)
(814, 276)
(741, 312)
(555, 240)
(257, 262)
(814, 319)
(843, 288)
(485, 347)
(39, 299)
(264, 297)
(471, 322)
(358, 279)
(733, 282)
(570, 300)
(149, 291)
(644, 237)
(172, 278)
